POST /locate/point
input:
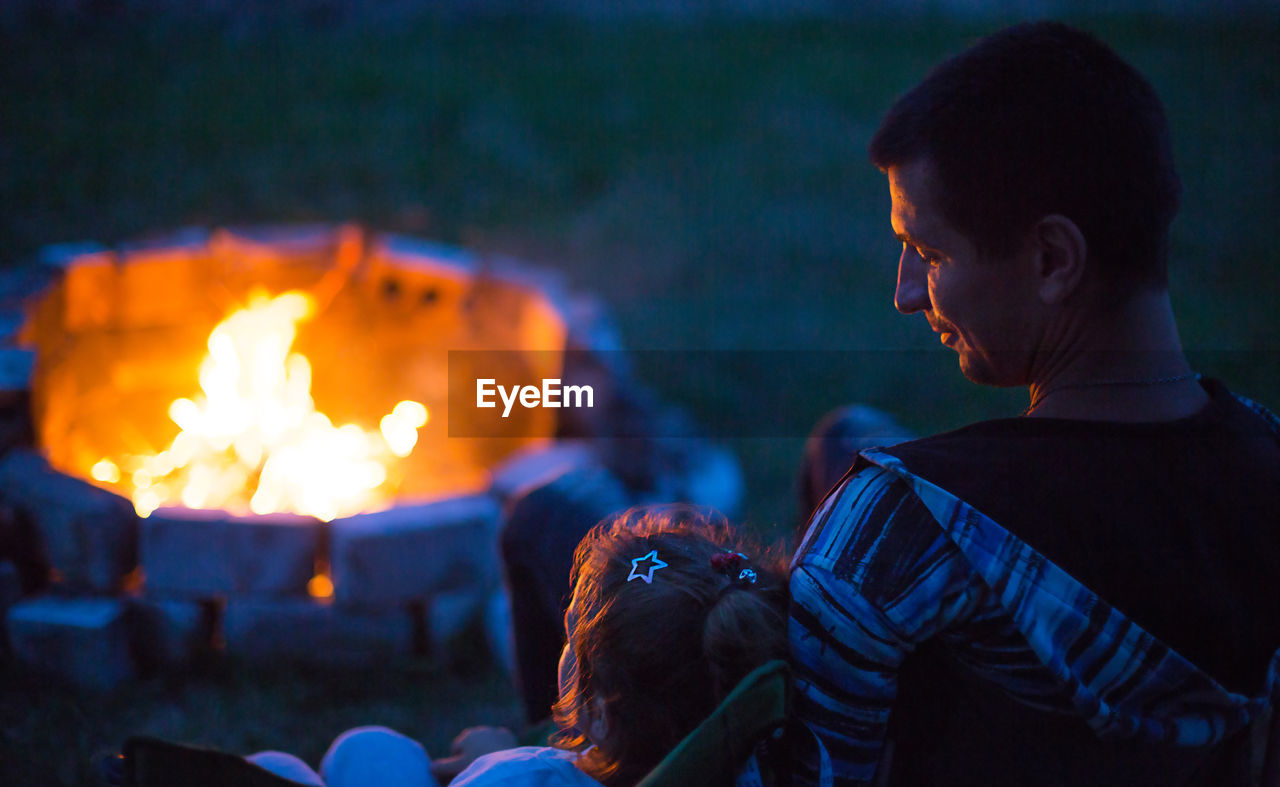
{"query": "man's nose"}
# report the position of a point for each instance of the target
(912, 294)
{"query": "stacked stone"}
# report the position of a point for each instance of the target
(96, 596)
(404, 581)
(130, 595)
(56, 529)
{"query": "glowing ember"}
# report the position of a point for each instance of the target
(320, 586)
(254, 440)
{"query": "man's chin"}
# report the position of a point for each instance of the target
(975, 370)
(980, 370)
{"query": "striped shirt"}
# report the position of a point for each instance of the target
(891, 561)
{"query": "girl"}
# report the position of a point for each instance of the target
(671, 607)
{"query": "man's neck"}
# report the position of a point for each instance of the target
(1121, 364)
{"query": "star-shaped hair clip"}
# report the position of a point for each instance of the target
(654, 564)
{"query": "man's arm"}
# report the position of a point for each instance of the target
(874, 577)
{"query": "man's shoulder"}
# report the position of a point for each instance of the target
(957, 442)
(872, 515)
(976, 454)
(1249, 412)
(871, 495)
(977, 450)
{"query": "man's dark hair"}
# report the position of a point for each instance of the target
(1036, 119)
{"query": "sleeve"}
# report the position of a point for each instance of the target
(874, 576)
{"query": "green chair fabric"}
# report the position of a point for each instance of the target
(539, 734)
(718, 747)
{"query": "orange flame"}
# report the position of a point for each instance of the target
(254, 440)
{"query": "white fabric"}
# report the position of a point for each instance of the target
(527, 766)
(359, 757)
(364, 756)
(286, 765)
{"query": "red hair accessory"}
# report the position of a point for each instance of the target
(728, 562)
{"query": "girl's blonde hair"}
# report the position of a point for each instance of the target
(661, 655)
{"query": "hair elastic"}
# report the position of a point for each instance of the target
(733, 565)
(728, 562)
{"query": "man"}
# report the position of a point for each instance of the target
(1086, 594)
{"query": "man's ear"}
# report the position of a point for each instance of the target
(1060, 250)
(597, 721)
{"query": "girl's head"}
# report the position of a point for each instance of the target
(664, 621)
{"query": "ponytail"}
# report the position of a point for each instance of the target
(746, 627)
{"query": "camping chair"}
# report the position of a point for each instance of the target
(710, 755)
(151, 762)
(716, 750)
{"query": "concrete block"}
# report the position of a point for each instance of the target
(450, 613)
(12, 319)
(22, 547)
(10, 586)
(200, 553)
(10, 594)
(536, 465)
(82, 641)
(422, 285)
(18, 285)
(409, 552)
(405, 252)
(170, 632)
(559, 510)
(176, 271)
(283, 257)
(190, 238)
(301, 239)
(15, 369)
(498, 631)
(16, 429)
(312, 632)
(90, 286)
(88, 534)
(62, 255)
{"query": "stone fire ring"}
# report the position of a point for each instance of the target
(93, 595)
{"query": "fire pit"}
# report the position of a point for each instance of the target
(242, 440)
(265, 374)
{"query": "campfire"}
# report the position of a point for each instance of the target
(258, 378)
(253, 441)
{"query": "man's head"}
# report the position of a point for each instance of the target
(1041, 119)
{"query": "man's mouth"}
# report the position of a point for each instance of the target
(945, 335)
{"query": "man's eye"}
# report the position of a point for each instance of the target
(928, 257)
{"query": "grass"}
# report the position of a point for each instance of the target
(708, 180)
(51, 734)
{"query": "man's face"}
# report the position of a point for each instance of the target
(985, 310)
